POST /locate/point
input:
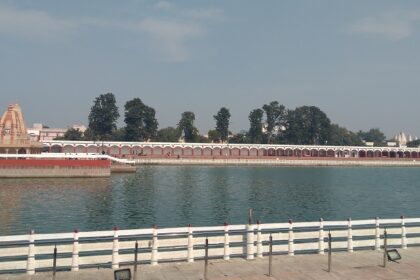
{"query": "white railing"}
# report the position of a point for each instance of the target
(34, 252)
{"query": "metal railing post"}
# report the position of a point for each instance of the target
(385, 247)
(329, 251)
(55, 259)
(136, 250)
(206, 258)
(270, 257)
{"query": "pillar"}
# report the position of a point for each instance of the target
(291, 251)
(259, 240)
(349, 236)
(321, 245)
(115, 250)
(403, 234)
(30, 265)
(226, 249)
(190, 244)
(250, 242)
(75, 254)
(154, 258)
(377, 235)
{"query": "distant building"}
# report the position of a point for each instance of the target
(402, 139)
(40, 132)
(13, 134)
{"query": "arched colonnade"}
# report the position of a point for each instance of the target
(199, 150)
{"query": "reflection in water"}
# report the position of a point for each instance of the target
(202, 195)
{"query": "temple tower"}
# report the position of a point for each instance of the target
(13, 134)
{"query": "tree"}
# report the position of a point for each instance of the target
(140, 120)
(214, 136)
(307, 125)
(239, 138)
(73, 134)
(275, 118)
(103, 117)
(222, 123)
(340, 136)
(168, 134)
(374, 135)
(186, 126)
(255, 130)
(414, 143)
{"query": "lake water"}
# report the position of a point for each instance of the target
(171, 196)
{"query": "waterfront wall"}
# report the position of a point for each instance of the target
(44, 168)
(278, 162)
(115, 248)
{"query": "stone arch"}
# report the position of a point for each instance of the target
(330, 153)
(157, 150)
(125, 150)
(68, 149)
(92, 149)
(56, 149)
(114, 150)
(235, 152)
(188, 152)
(207, 151)
(253, 152)
(80, 149)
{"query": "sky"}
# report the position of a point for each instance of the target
(358, 61)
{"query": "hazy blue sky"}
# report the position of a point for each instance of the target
(359, 61)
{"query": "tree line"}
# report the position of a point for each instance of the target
(273, 123)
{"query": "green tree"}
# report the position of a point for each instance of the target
(103, 117)
(168, 134)
(255, 129)
(73, 134)
(119, 135)
(140, 120)
(214, 136)
(239, 138)
(275, 118)
(340, 136)
(414, 143)
(222, 123)
(186, 126)
(307, 125)
(374, 135)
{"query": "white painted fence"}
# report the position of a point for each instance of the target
(34, 252)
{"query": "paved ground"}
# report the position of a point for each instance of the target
(358, 265)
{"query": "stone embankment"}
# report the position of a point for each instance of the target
(279, 162)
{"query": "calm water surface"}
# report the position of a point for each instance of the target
(202, 195)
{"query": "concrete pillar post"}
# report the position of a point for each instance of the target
(226, 249)
(321, 246)
(190, 244)
(155, 257)
(349, 237)
(250, 242)
(403, 234)
(377, 235)
(259, 240)
(115, 250)
(291, 251)
(75, 254)
(30, 265)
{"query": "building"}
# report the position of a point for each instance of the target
(13, 133)
(40, 132)
(402, 139)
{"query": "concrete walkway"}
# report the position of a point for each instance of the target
(358, 265)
